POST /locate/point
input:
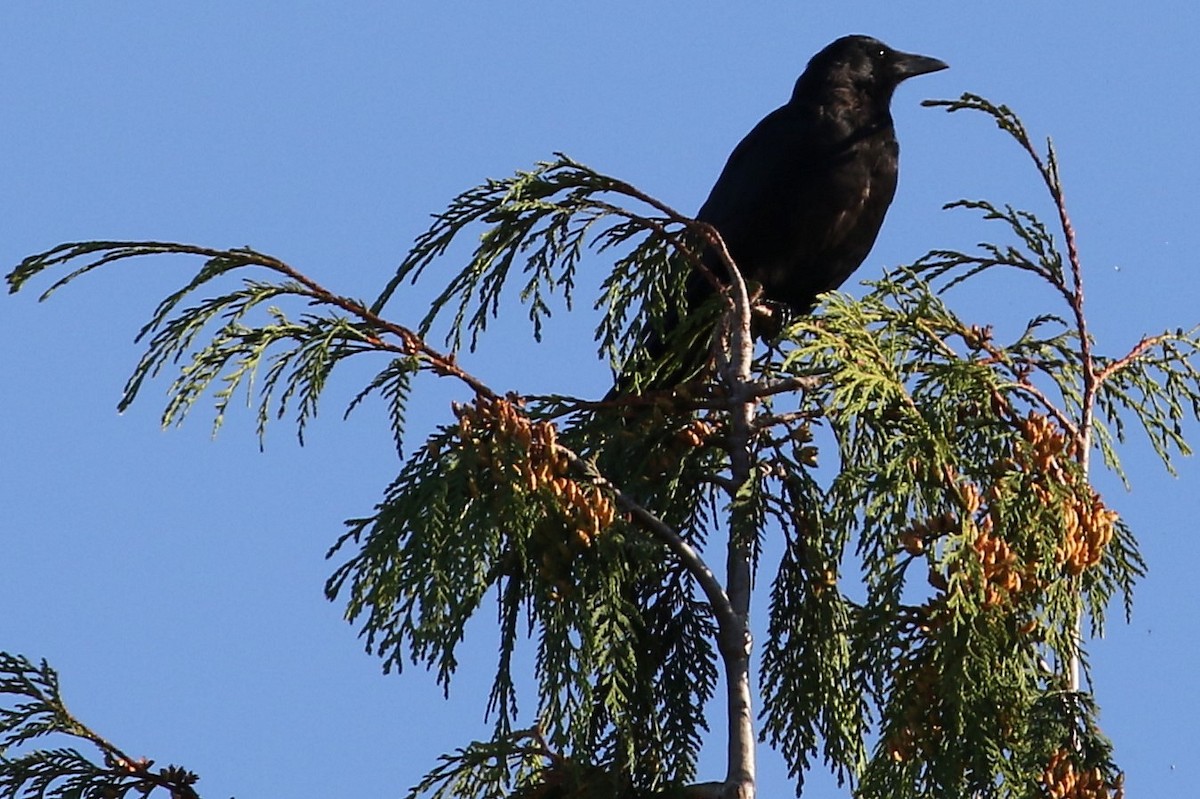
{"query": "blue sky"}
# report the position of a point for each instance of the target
(176, 580)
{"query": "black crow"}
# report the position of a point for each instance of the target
(801, 199)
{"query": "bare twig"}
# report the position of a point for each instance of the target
(1124, 361)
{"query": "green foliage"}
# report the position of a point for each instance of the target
(813, 697)
(42, 714)
(485, 768)
(929, 582)
(1156, 384)
(932, 421)
(456, 526)
(548, 217)
(37, 711)
(296, 357)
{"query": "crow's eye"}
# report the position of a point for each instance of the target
(882, 53)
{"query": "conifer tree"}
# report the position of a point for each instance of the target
(933, 575)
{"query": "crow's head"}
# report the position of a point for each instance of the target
(863, 68)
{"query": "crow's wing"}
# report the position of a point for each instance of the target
(799, 203)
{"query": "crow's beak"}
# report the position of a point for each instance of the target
(907, 65)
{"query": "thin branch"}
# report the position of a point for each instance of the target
(441, 363)
(1138, 350)
(1052, 410)
(762, 388)
(767, 421)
